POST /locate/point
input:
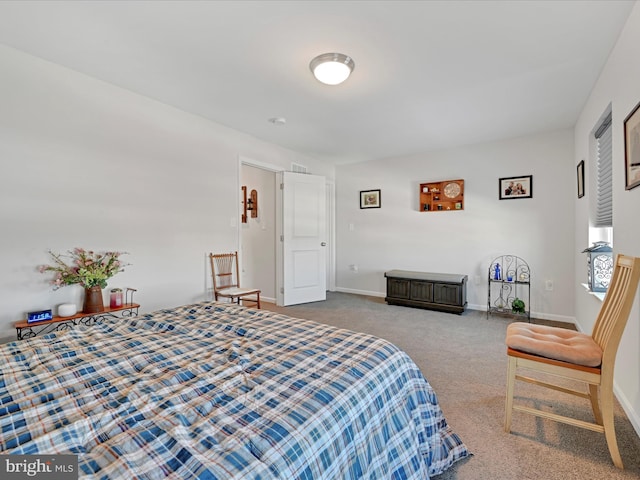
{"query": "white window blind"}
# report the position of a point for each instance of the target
(604, 187)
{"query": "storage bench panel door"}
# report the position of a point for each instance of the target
(397, 288)
(434, 291)
(449, 294)
(421, 291)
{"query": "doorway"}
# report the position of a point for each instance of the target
(259, 238)
(258, 234)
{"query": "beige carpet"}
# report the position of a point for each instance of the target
(463, 357)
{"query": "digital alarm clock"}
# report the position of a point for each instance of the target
(40, 316)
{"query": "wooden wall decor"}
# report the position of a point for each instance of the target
(249, 204)
(442, 196)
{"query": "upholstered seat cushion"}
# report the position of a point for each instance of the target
(553, 342)
(236, 291)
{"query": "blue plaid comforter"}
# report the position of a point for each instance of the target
(217, 391)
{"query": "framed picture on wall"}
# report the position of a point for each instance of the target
(632, 149)
(370, 199)
(580, 178)
(515, 187)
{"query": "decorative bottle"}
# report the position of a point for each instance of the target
(115, 299)
(497, 275)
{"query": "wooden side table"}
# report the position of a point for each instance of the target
(25, 329)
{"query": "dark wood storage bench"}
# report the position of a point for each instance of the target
(434, 291)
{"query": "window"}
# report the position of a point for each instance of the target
(601, 229)
(604, 179)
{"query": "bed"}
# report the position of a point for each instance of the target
(218, 391)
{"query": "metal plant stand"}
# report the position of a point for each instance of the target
(509, 280)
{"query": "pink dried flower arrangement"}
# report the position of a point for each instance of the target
(86, 267)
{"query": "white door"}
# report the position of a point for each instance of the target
(303, 239)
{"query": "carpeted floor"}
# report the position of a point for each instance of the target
(463, 357)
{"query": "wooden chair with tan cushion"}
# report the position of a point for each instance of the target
(226, 279)
(577, 356)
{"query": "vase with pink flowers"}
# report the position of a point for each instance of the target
(86, 268)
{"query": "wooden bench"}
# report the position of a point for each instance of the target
(434, 291)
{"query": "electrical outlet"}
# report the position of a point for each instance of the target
(549, 285)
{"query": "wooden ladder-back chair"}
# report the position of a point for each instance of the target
(577, 356)
(226, 279)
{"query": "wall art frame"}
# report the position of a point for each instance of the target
(510, 188)
(370, 199)
(632, 149)
(580, 178)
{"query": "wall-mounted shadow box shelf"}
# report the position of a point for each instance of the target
(442, 196)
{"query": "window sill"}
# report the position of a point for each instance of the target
(598, 295)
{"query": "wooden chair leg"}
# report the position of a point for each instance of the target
(258, 300)
(594, 393)
(606, 404)
(511, 380)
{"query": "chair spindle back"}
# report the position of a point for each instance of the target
(614, 313)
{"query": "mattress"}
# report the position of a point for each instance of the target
(219, 391)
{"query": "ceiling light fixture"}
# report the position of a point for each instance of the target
(332, 68)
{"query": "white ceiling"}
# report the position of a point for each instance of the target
(429, 75)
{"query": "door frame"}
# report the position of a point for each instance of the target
(331, 237)
(331, 234)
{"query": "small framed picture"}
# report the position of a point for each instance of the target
(580, 178)
(515, 187)
(370, 199)
(632, 149)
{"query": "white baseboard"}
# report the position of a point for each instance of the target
(627, 406)
(360, 292)
(470, 306)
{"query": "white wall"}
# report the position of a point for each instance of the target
(399, 236)
(258, 234)
(618, 86)
(87, 164)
